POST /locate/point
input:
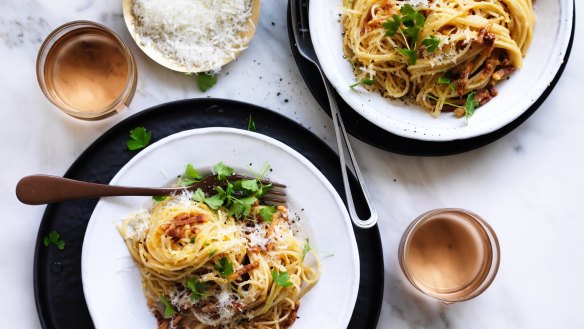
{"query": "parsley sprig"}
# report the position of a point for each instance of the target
(206, 81)
(445, 80)
(469, 107)
(139, 138)
(409, 25)
(368, 82)
(54, 238)
(237, 196)
(169, 310)
(197, 288)
(306, 249)
(224, 267)
(281, 278)
(190, 176)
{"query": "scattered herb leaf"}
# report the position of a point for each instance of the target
(431, 43)
(249, 184)
(307, 248)
(54, 238)
(169, 311)
(193, 240)
(139, 138)
(222, 170)
(447, 81)
(224, 267)
(197, 288)
(206, 81)
(251, 126)
(412, 55)
(471, 104)
(267, 212)
(214, 202)
(281, 278)
(213, 252)
(159, 198)
(368, 82)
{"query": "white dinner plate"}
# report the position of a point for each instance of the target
(111, 280)
(517, 95)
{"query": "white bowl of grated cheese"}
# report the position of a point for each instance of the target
(192, 36)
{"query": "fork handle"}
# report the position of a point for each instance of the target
(342, 136)
(41, 189)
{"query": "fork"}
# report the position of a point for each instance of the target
(299, 18)
(41, 189)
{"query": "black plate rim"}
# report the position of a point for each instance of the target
(44, 315)
(420, 147)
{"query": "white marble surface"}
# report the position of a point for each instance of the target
(528, 185)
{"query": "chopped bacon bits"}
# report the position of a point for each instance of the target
(462, 81)
(180, 225)
(503, 72)
(243, 271)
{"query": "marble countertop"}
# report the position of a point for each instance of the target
(528, 185)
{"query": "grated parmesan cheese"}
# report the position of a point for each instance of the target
(417, 3)
(195, 33)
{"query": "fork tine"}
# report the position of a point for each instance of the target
(263, 181)
(273, 200)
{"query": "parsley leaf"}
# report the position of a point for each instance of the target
(193, 240)
(206, 81)
(139, 138)
(392, 25)
(215, 201)
(445, 80)
(241, 207)
(198, 195)
(159, 198)
(409, 25)
(54, 238)
(431, 43)
(197, 287)
(251, 124)
(368, 82)
(407, 9)
(169, 311)
(224, 267)
(267, 212)
(192, 172)
(471, 104)
(222, 170)
(212, 253)
(307, 248)
(249, 184)
(412, 55)
(281, 278)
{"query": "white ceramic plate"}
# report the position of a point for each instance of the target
(111, 280)
(519, 93)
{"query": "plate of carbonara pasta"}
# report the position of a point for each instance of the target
(440, 70)
(221, 257)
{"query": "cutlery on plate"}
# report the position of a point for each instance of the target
(299, 15)
(41, 189)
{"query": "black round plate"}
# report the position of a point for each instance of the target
(373, 135)
(57, 273)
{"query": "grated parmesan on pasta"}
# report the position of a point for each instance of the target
(194, 33)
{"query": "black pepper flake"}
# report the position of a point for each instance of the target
(286, 100)
(278, 94)
(273, 24)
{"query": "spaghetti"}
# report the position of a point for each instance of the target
(203, 268)
(445, 55)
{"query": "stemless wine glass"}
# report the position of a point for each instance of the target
(450, 254)
(86, 70)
